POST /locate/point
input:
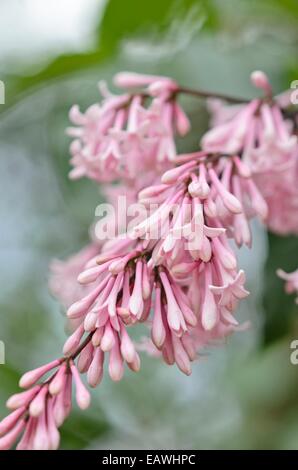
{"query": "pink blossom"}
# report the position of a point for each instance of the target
(264, 138)
(291, 281)
(40, 411)
(122, 137)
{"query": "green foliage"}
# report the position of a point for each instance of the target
(121, 20)
(80, 430)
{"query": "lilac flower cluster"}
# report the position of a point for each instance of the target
(174, 270)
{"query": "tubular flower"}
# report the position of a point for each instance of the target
(261, 133)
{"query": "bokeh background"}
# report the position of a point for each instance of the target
(52, 54)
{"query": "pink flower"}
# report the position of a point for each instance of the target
(264, 138)
(232, 290)
(122, 137)
(291, 281)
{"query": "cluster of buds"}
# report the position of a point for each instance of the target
(266, 139)
(130, 133)
(39, 411)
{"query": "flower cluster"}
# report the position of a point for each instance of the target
(39, 411)
(266, 139)
(127, 134)
(174, 269)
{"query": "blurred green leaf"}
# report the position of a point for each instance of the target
(9, 378)
(289, 6)
(124, 19)
(79, 429)
(267, 389)
(121, 20)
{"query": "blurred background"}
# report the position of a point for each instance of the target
(52, 54)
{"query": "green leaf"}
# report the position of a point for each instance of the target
(79, 429)
(9, 378)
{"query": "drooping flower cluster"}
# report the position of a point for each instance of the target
(145, 275)
(173, 268)
(127, 134)
(266, 139)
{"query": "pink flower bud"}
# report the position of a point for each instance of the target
(230, 201)
(174, 314)
(136, 303)
(9, 422)
(22, 399)
(82, 394)
(97, 336)
(134, 80)
(146, 285)
(80, 307)
(158, 332)
(85, 358)
(53, 433)
(181, 357)
(28, 379)
(72, 343)
(9, 439)
(181, 120)
(114, 293)
(90, 321)
(224, 255)
(41, 438)
(135, 364)
(108, 339)
(209, 308)
(171, 176)
(58, 382)
(116, 363)
(37, 405)
(153, 191)
(242, 169)
(260, 80)
(62, 403)
(91, 274)
(76, 116)
(257, 201)
(189, 346)
(127, 347)
(95, 371)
